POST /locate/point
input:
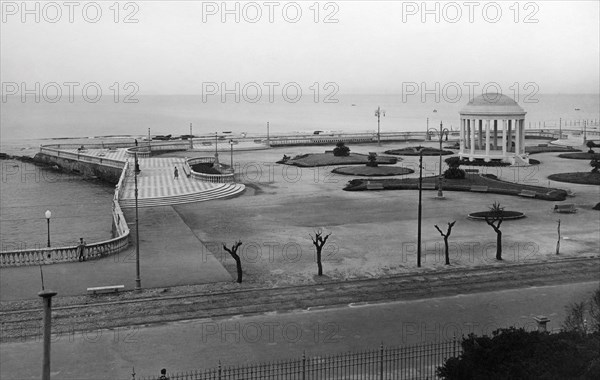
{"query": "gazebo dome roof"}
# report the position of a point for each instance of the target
(492, 104)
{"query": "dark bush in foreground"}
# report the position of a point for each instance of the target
(517, 354)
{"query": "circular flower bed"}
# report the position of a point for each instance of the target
(372, 171)
(506, 215)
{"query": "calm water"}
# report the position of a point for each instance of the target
(173, 114)
(80, 208)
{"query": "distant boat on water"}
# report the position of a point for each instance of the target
(577, 109)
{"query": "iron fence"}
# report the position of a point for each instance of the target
(386, 363)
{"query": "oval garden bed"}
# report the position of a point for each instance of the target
(580, 156)
(414, 151)
(506, 215)
(328, 159)
(373, 171)
(582, 178)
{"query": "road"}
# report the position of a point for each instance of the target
(201, 343)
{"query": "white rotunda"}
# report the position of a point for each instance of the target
(492, 127)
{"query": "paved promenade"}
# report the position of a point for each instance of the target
(170, 255)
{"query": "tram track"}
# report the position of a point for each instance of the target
(23, 324)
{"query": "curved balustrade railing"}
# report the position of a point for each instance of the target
(58, 152)
(42, 256)
(214, 178)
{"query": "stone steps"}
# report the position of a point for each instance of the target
(221, 192)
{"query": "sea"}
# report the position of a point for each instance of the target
(81, 207)
(25, 123)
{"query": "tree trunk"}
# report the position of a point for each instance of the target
(498, 245)
(447, 250)
(319, 262)
(238, 264)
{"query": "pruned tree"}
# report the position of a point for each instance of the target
(319, 241)
(590, 144)
(494, 220)
(341, 150)
(446, 236)
(238, 262)
(558, 241)
(595, 164)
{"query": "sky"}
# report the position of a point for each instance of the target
(360, 47)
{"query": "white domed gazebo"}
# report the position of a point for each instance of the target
(492, 127)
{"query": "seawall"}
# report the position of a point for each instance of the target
(89, 169)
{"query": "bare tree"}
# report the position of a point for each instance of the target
(446, 236)
(238, 262)
(558, 241)
(497, 216)
(319, 241)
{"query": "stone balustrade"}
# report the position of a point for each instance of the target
(81, 157)
(214, 178)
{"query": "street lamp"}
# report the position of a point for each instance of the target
(231, 143)
(216, 148)
(379, 112)
(420, 208)
(441, 132)
(138, 281)
(48, 215)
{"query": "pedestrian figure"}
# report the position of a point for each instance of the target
(163, 374)
(135, 142)
(81, 249)
(176, 173)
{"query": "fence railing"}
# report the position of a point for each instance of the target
(386, 363)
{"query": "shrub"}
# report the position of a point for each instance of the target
(517, 354)
(341, 150)
(590, 144)
(454, 173)
(595, 164)
(372, 160)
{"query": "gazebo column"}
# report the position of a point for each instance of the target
(487, 140)
(504, 142)
(472, 140)
(517, 137)
(480, 134)
(509, 123)
(522, 121)
(495, 134)
(462, 136)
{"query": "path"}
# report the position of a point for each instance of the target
(170, 255)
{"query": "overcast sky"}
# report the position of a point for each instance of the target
(374, 47)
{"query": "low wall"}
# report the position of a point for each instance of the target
(107, 170)
(214, 178)
(43, 256)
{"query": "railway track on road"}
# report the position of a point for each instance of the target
(23, 324)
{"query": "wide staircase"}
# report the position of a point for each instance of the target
(220, 191)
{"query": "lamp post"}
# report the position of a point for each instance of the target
(48, 215)
(47, 303)
(191, 138)
(268, 136)
(138, 281)
(441, 132)
(420, 208)
(216, 148)
(379, 112)
(231, 144)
